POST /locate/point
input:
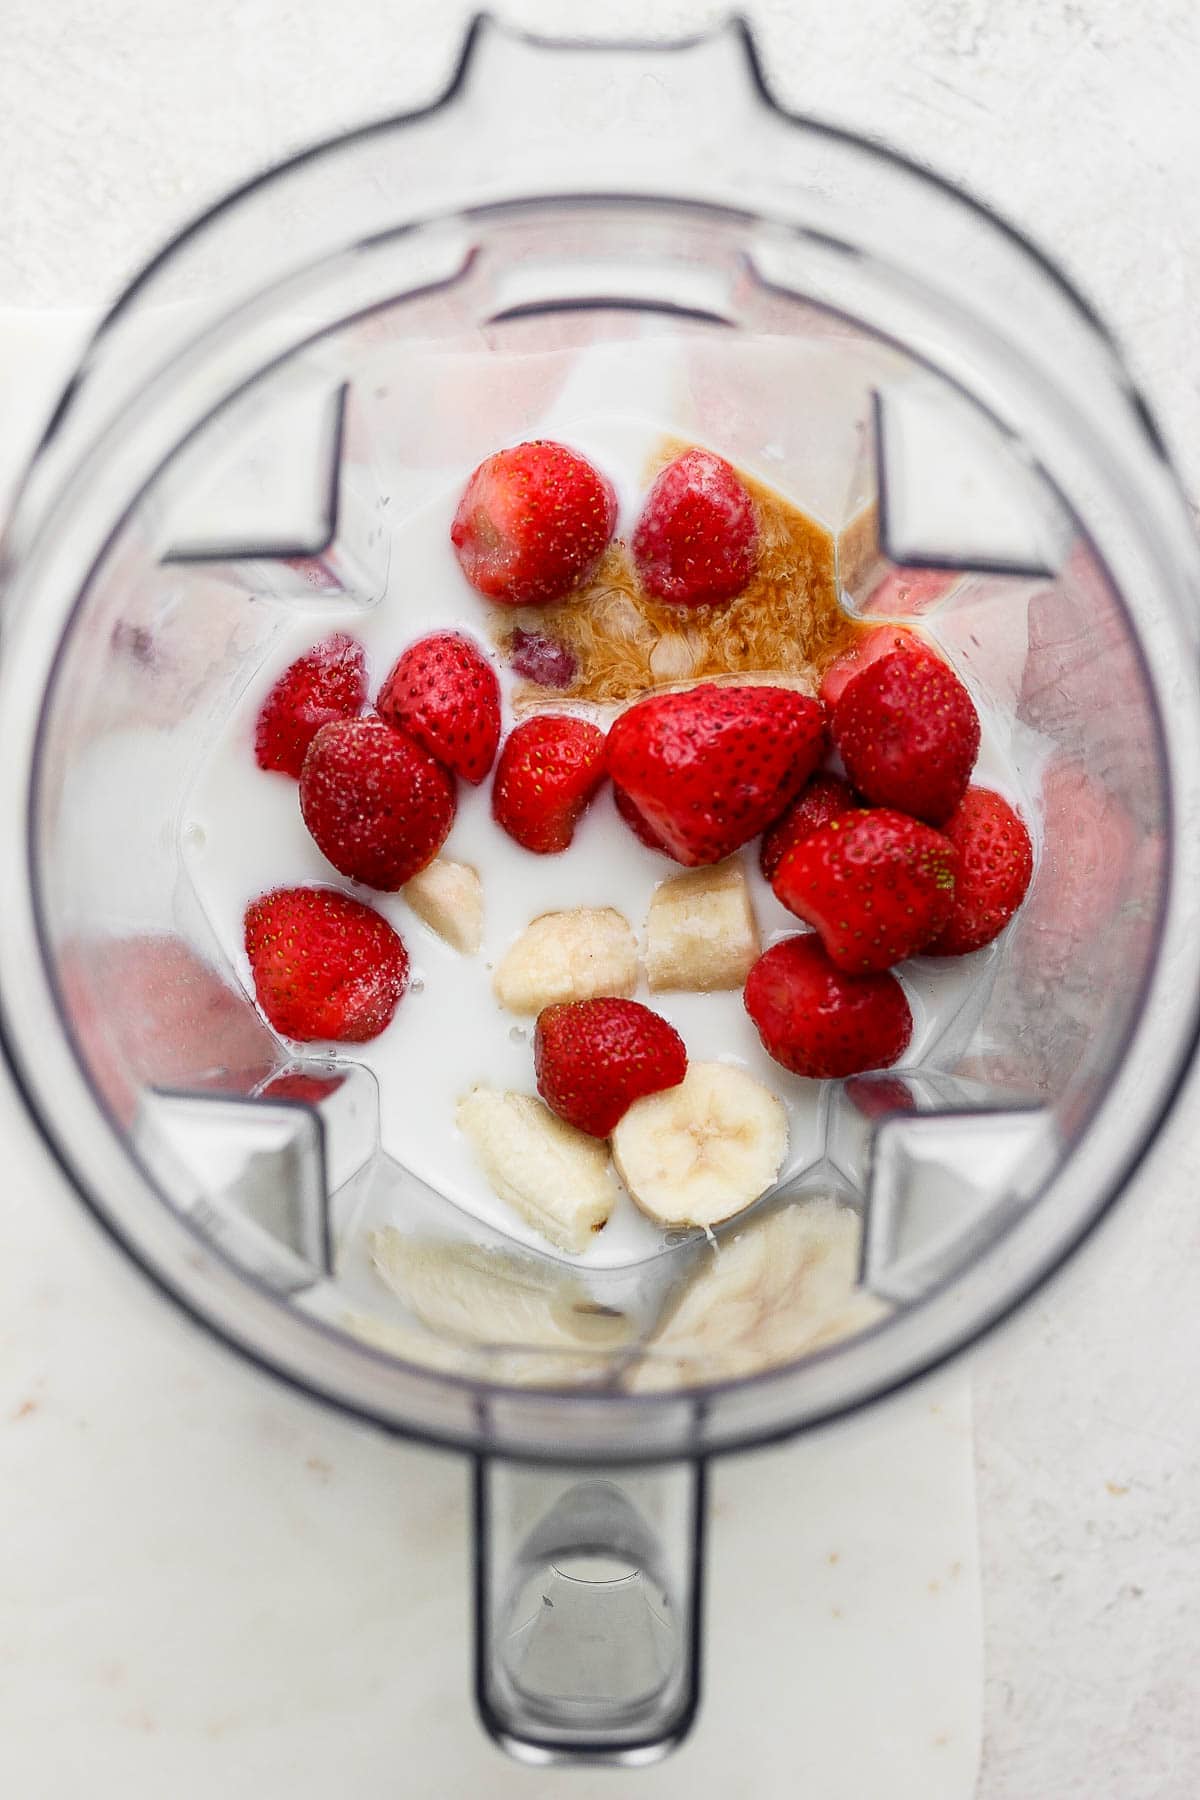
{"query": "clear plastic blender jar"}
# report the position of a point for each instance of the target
(246, 445)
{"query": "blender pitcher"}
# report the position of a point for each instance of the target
(242, 451)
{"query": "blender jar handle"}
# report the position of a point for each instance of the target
(588, 1585)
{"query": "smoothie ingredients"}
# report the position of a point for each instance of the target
(700, 1152)
(826, 797)
(448, 897)
(561, 956)
(709, 768)
(995, 864)
(557, 1178)
(697, 539)
(378, 806)
(596, 1057)
(329, 682)
(641, 828)
(908, 733)
(444, 693)
(876, 885)
(551, 766)
(324, 966)
(818, 1021)
(701, 933)
(532, 523)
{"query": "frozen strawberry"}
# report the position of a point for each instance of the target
(995, 864)
(328, 682)
(697, 539)
(877, 886)
(709, 769)
(545, 660)
(532, 523)
(594, 1058)
(443, 692)
(818, 1021)
(551, 766)
(641, 828)
(867, 648)
(825, 797)
(325, 966)
(378, 806)
(908, 734)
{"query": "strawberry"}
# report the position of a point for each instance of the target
(868, 647)
(532, 523)
(328, 682)
(641, 829)
(378, 806)
(551, 766)
(877, 885)
(708, 769)
(995, 864)
(825, 797)
(544, 660)
(697, 539)
(324, 966)
(908, 734)
(443, 692)
(294, 1084)
(594, 1058)
(820, 1022)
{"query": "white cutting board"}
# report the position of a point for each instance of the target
(210, 1586)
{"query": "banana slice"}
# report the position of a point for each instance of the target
(485, 1297)
(700, 1152)
(701, 933)
(785, 1286)
(557, 1178)
(574, 955)
(448, 896)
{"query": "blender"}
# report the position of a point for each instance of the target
(246, 437)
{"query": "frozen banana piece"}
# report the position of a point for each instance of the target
(487, 1297)
(559, 1180)
(448, 896)
(784, 1286)
(576, 955)
(701, 933)
(698, 1153)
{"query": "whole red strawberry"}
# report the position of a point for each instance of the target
(868, 647)
(697, 539)
(444, 693)
(908, 734)
(532, 523)
(324, 966)
(995, 864)
(877, 886)
(328, 682)
(551, 766)
(378, 806)
(820, 1022)
(594, 1058)
(824, 798)
(710, 768)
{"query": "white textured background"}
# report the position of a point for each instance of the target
(1080, 119)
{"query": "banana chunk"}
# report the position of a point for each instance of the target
(698, 1153)
(558, 1179)
(448, 896)
(576, 955)
(701, 933)
(489, 1298)
(785, 1286)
